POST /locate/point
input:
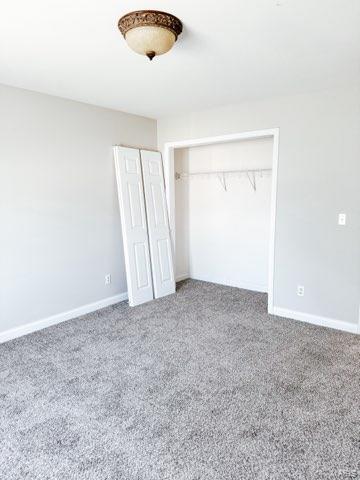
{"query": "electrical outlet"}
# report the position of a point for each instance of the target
(107, 279)
(342, 219)
(300, 290)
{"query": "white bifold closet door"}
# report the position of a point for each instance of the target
(158, 223)
(134, 225)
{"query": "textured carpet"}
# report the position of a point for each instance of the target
(202, 384)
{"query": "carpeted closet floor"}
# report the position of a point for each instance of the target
(200, 385)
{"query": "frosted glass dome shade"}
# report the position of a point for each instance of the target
(150, 32)
(150, 40)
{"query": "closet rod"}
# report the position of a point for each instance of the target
(179, 175)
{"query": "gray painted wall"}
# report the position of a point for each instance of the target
(59, 220)
(318, 177)
(59, 223)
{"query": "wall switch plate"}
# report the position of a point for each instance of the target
(107, 279)
(342, 219)
(300, 290)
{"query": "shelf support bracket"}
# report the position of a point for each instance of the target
(222, 180)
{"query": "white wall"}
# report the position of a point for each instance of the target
(59, 218)
(223, 236)
(318, 177)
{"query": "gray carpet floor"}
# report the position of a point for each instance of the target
(200, 385)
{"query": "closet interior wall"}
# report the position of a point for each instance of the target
(222, 234)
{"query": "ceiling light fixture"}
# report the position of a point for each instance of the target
(150, 32)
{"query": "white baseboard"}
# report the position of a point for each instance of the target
(243, 285)
(92, 307)
(316, 320)
(60, 317)
(182, 276)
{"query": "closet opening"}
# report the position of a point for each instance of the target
(221, 193)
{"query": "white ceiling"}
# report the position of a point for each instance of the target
(230, 51)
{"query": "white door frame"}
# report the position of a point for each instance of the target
(169, 172)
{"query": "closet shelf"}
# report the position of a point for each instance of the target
(179, 175)
(250, 173)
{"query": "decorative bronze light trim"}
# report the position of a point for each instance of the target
(146, 18)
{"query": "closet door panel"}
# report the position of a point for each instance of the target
(134, 225)
(158, 224)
